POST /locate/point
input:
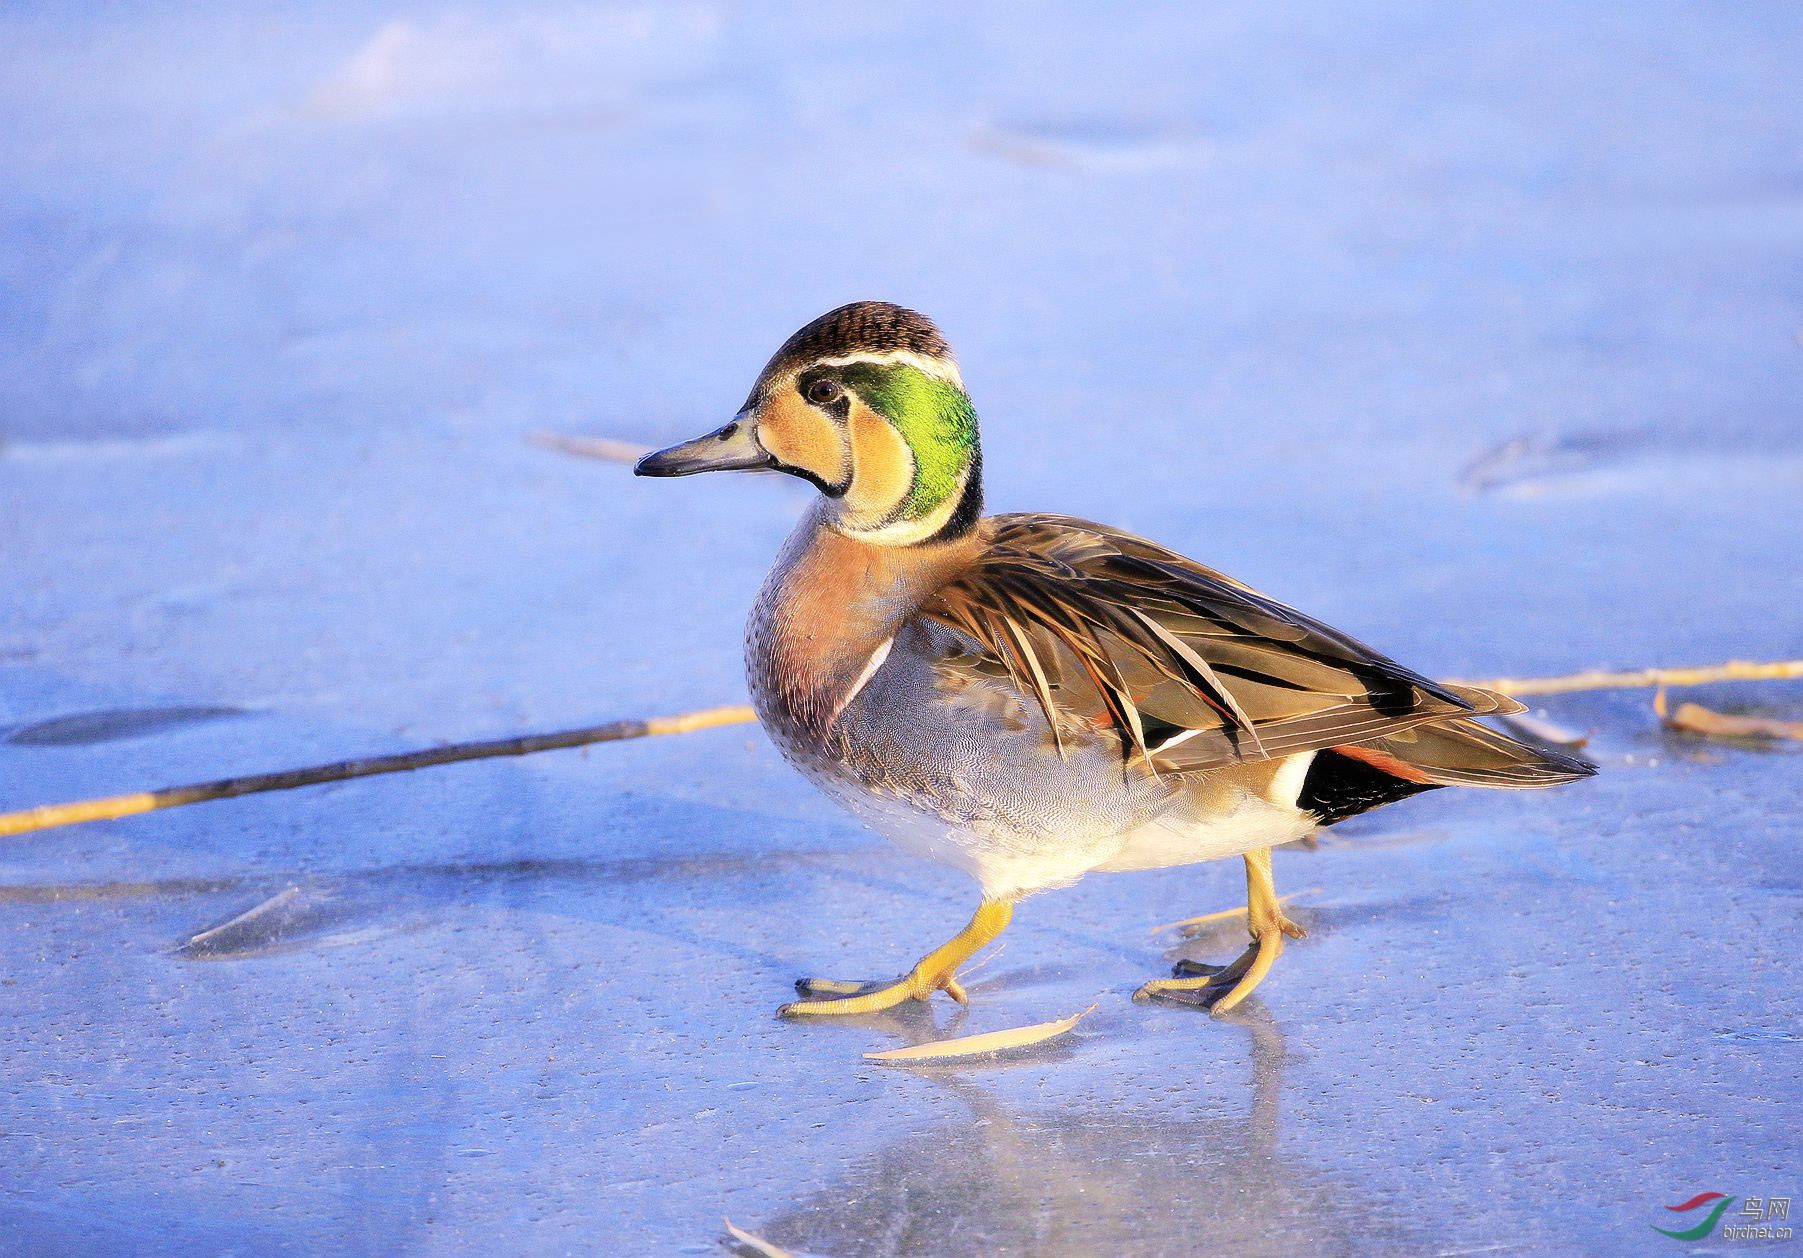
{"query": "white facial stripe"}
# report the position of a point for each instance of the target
(938, 368)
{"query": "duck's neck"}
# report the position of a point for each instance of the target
(915, 522)
(916, 472)
(830, 607)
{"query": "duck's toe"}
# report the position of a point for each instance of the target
(844, 998)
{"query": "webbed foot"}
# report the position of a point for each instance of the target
(936, 972)
(1219, 988)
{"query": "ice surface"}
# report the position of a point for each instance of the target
(1473, 329)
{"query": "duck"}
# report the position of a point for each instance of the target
(1031, 698)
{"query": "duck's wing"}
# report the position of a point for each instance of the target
(1188, 668)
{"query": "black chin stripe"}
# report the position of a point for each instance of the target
(830, 490)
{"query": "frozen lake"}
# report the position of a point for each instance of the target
(1473, 330)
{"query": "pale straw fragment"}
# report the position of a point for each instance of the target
(980, 1045)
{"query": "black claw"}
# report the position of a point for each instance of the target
(1194, 969)
(1188, 1000)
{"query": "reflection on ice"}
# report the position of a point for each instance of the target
(1073, 1180)
(289, 917)
(81, 728)
(334, 910)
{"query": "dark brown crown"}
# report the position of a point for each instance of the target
(863, 327)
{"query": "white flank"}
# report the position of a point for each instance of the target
(1286, 787)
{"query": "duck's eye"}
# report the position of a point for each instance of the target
(823, 391)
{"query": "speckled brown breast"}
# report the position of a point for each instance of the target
(829, 604)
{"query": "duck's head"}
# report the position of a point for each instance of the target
(867, 403)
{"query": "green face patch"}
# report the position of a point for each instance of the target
(933, 416)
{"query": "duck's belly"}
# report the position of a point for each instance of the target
(1008, 860)
(1011, 855)
(1226, 812)
(996, 801)
(980, 790)
(1180, 838)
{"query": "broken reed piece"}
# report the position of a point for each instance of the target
(590, 447)
(50, 815)
(756, 1244)
(1694, 718)
(1643, 678)
(979, 1045)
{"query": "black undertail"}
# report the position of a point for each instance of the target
(1338, 787)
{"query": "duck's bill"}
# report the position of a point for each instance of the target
(732, 448)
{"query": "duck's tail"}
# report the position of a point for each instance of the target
(1346, 780)
(1463, 752)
